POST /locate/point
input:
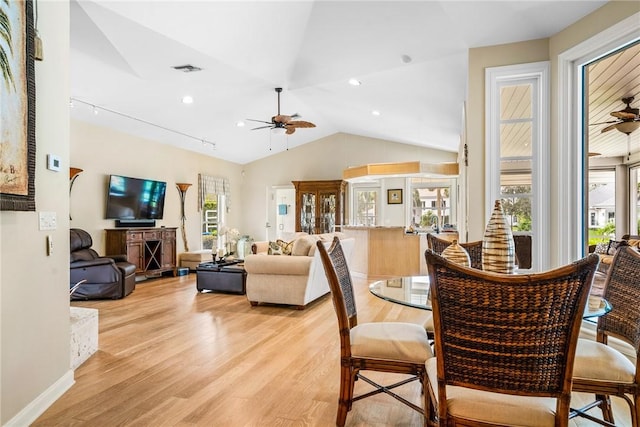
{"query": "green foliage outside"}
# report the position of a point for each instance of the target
(209, 235)
(518, 208)
(602, 234)
(427, 219)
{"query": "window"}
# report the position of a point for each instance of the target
(432, 203)
(214, 199)
(365, 205)
(602, 205)
(517, 144)
(212, 217)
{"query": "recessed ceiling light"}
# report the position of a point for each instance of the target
(187, 99)
(240, 124)
(355, 82)
(375, 112)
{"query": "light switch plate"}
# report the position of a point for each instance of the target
(48, 220)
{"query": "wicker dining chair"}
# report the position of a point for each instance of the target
(504, 343)
(394, 347)
(436, 244)
(474, 249)
(601, 369)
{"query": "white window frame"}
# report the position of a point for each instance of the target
(571, 164)
(355, 188)
(634, 175)
(537, 74)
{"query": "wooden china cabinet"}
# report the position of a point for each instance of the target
(319, 205)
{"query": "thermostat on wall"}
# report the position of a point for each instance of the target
(53, 162)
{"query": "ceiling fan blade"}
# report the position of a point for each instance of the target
(263, 127)
(608, 128)
(259, 121)
(604, 123)
(290, 130)
(623, 115)
(301, 124)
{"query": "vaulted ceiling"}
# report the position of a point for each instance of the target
(410, 57)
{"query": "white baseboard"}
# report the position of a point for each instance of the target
(33, 410)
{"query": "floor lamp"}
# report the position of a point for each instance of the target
(182, 188)
(73, 174)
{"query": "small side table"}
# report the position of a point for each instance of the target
(228, 277)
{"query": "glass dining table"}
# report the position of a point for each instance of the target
(413, 291)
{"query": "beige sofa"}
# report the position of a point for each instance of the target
(295, 279)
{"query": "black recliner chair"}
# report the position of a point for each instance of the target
(106, 277)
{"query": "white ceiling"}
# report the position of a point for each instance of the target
(122, 54)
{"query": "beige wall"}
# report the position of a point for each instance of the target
(34, 287)
(101, 152)
(517, 53)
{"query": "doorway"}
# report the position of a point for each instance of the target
(281, 214)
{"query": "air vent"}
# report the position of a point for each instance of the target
(188, 68)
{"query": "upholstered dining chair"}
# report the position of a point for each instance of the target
(394, 347)
(504, 343)
(601, 369)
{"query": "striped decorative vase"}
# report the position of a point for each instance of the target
(498, 247)
(456, 253)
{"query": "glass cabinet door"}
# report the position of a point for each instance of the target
(308, 213)
(327, 212)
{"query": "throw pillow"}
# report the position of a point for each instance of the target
(613, 245)
(601, 248)
(286, 247)
(274, 249)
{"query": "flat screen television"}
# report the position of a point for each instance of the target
(135, 198)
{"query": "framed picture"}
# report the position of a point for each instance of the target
(394, 283)
(17, 99)
(394, 197)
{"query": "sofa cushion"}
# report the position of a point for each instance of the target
(282, 265)
(302, 245)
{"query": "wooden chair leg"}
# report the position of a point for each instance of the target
(346, 394)
(605, 407)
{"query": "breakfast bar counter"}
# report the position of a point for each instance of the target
(385, 251)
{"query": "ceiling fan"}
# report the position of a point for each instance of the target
(628, 119)
(282, 123)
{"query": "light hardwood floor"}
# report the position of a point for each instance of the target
(170, 356)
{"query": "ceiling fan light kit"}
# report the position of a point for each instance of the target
(627, 127)
(628, 119)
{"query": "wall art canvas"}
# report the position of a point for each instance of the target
(17, 103)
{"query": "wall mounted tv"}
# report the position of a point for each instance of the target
(135, 198)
